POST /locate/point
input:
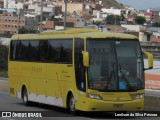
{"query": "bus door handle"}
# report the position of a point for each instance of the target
(67, 76)
(64, 72)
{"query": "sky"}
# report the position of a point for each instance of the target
(141, 4)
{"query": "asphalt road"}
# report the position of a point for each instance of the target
(8, 103)
(3, 78)
(152, 93)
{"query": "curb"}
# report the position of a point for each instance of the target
(152, 101)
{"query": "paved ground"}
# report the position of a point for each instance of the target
(3, 78)
(3, 86)
(8, 103)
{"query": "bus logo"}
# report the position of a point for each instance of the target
(6, 114)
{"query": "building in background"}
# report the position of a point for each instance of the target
(31, 24)
(13, 4)
(151, 16)
(10, 23)
(55, 25)
(1, 3)
(113, 11)
(78, 21)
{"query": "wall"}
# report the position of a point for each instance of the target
(77, 7)
(9, 24)
(142, 37)
(13, 4)
(112, 11)
(132, 27)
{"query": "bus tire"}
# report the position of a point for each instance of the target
(71, 105)
(25, 96)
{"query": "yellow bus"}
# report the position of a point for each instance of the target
(78, 69)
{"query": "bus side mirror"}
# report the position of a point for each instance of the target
(85, 58)
(150, 60)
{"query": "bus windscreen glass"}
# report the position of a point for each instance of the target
(115, 65)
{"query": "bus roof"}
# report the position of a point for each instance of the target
(72, 33)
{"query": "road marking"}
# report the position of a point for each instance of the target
(58, 117)
(4, 93)
(4, 80)
(87, 118)
(6, 118)
(3, 86)
(152, 90)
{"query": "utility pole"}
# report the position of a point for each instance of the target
(115, 20)
(65, 13)
(7, 4)
(18, 14)
(41, 16)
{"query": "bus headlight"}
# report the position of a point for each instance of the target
(94, 96)
(137, 96)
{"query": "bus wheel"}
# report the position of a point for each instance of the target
(71, 105)
(25, 97)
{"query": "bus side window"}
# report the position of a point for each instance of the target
(66, 51)
(18, 50)
(13, 50)
(43, 51)
(54, 50)
(33, 50)
(24, 53)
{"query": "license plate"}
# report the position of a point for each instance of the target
(118, 105)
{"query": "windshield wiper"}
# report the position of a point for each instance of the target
(123, 76)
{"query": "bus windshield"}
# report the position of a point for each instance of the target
(115, 65)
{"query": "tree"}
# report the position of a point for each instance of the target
(140, 20)
(156, 24)
(122, 17)
(51, 18)
(113, 19)
(23, 30)
(44, 17)
(3, 57)
(98, 23)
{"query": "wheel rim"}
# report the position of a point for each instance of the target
(72, 104)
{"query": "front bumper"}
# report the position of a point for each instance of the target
(100, 105)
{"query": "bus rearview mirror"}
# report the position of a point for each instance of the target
(85, 58)
(150, 60)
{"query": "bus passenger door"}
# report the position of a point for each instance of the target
(79, 73)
